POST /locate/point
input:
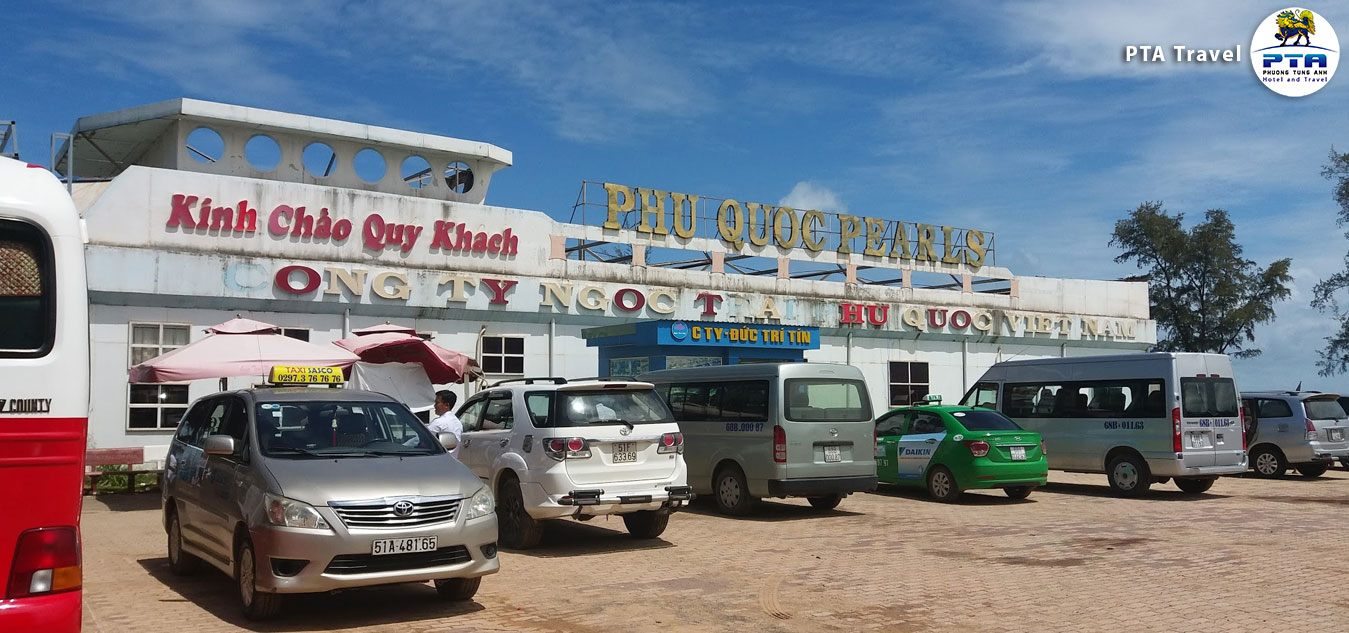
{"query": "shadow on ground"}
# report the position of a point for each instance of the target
(600, 535)
(1158, 492)
(122, 501)
(770, 510)
(214, 592)
(967, 498)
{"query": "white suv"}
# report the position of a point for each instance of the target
(553, 449)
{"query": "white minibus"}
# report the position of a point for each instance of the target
(1138, 418)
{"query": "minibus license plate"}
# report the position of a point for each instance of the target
(624, 453)
(403, 545)
(1018, 453)
(832, 454)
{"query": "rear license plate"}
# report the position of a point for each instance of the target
(1337, 435)
(832, 454)
(412, 545)
(1018, 453)
(624, 452)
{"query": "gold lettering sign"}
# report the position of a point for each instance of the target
(757, 225)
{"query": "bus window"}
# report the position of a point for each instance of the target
(26, 326)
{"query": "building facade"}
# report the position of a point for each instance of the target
(319, 242)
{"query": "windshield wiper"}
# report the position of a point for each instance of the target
(619, 421)
(321, 455)
(388, 452)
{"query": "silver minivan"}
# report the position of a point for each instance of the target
(298, 490)
(1304, 430)
(773, 430)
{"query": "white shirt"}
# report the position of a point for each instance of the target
(448, 423)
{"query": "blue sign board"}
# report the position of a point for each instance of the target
(715, 334)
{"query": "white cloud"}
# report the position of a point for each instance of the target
(809, 195)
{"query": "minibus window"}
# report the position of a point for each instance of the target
(1208, 397)
(27, 322)
(826, 400)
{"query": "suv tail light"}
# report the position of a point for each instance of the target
(561, 448)
(1241, 413)
(1175, 431)
(671, 443)
(779, 444)
(978, 448)
(1042, 448)
(1311, 430)
(47, 560)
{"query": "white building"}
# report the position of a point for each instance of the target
(323, 226)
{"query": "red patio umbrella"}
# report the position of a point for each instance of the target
(238, 347)
(442, 366)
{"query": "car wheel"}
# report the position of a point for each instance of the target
(518, 529)
(458, 589)
(826, 502)
(1129, 475)
(1268, 462)
(1312, 471)
(1194, 486)
(1018, 492)
(257, 605)
(647, 523)
(941, 484)
(180, 563)
(732, 492)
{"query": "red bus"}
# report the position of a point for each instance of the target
(44, 400)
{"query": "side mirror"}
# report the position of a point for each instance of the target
(219, 445)
(448, 440)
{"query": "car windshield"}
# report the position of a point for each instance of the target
(599, 407)
(1324, 409)
(334, 429)
(985, 421)
(827, 400)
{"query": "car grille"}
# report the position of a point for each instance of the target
(370, 564)
(379, 513)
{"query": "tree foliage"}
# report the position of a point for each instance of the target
(1205, 296)
(1335, 355)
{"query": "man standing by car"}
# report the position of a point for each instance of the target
(445, 420)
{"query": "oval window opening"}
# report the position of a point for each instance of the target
(319, 160)
(370, 165)
(416, 172)
(262, 152)
(204, 145)
(459, 177)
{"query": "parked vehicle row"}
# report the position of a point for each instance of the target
(298, 489)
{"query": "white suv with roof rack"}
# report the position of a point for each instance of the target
(553, 448)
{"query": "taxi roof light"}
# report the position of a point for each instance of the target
(305, 375)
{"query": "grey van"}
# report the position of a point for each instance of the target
(1305, 430)
(773, 430)
(297, 490)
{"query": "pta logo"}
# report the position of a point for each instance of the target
(1294, 52)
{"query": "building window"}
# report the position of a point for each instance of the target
(629, 367)
(503, 355)
(154, 406)
(908, 383)
(298, 333)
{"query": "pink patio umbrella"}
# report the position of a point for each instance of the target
(383, 327)
(442, 366)
(238, 347)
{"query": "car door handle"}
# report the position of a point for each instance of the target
(930, 441)
(504, 443)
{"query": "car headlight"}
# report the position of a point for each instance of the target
(292, 513)
(480, 504)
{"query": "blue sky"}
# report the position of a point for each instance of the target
(1019, 117)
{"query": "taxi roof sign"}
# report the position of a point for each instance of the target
(305, 375)
(931, 399)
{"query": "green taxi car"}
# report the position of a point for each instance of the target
(951, 449)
